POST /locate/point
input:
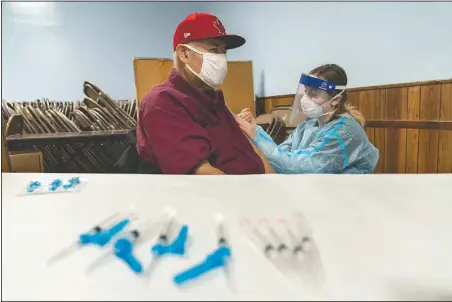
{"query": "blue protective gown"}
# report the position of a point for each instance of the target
(339, 146)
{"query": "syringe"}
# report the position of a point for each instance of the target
(281, 247)
(99, 235)
(302, 246)
(123, 247)
(166, 225)
(259, 239)
(221, 236)
(303, 243)
(162, 247)
(224, 242)
(217, 259)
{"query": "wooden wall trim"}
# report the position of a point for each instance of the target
(397, 124)
(399, 85)
(273, 97)
(428, 125)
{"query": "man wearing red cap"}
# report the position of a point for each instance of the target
(184, 126)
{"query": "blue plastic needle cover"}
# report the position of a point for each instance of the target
(103, 237)
(177, 247)
(72, 182)
(124, 250)
(32, 186)
(214, 260)
(55, 184)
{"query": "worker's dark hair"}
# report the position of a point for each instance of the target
(336, 74)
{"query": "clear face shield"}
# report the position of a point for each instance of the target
(313, 99)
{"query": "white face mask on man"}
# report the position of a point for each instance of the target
(214, 67)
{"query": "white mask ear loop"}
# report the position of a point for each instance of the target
(339, 94)
(195, 51)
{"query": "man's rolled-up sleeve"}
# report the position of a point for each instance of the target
(178, 143)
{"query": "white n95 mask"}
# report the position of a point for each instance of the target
(214, 68)
(311, 109)
(310, 92)
(314, 110)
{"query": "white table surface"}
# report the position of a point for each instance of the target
(378, 237)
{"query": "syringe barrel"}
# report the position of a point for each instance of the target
(166, 225)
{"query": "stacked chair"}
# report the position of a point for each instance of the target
(283, 111)
(277, 122)
(97, 112)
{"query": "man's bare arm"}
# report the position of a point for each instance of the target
(207, 169)
(267, 166)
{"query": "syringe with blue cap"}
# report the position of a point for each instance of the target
(167, 223)
(224, 242)
(163, 247)
(124, 247)
(99, 235)
(177, 247)
(217, 259)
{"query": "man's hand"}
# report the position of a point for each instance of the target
(205, 168)
(248, 128)
(247, 116)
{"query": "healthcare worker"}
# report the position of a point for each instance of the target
(331, 139)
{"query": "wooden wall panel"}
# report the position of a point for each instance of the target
(149, 73)
(283, 100)
(238, 87)
(428, 139)
(353, 98)
(395, 139)
(379, 143)
(366, 101)
(412, 135)
(6, 163)
(445, 136)
(380, 133)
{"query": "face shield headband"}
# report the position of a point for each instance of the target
(312, 94)
(319, 84)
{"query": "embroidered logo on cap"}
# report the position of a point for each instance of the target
(219, 27)
(186, 35)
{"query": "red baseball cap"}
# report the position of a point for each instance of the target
(199, 26)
